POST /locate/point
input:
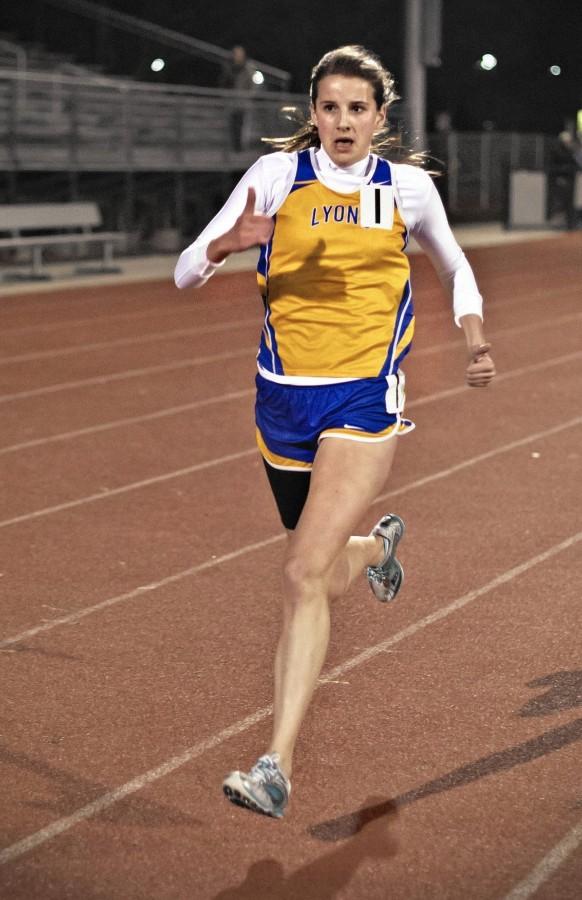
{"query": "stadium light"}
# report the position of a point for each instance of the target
(487, 62)
(555, 70)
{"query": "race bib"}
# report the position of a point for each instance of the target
(377, 206)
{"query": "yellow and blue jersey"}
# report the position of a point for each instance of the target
(337, 296)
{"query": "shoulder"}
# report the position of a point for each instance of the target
(278, 163)
(276, 172)
(413, 183)
(415, 194)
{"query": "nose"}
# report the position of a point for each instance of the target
(344, 121)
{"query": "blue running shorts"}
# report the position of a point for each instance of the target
(292, 419)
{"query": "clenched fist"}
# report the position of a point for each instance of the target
(481, 368)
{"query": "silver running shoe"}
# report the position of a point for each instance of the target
(264, 789)
(386, 579)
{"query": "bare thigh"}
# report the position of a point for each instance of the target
(347, 476)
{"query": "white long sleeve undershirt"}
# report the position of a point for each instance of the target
(416, 196)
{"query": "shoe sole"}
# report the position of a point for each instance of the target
(398, 565)
(246, 803)
(395, 563)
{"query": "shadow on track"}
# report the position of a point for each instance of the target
(74, 791)
(365, 835)
(564, 692)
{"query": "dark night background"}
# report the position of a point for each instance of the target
(526, 36)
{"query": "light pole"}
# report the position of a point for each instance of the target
(414, 72)
(422, 48)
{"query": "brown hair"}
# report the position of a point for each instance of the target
(353, 61)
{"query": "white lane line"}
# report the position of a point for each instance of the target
(136, 592)
(100, 380)
(509, 303)
(488, 454)
(132, 341)
(107, 800)
(504, 302)
(502, 333)
(445, 611)
(502, 376)
(249, 548)
(126, 488)
(131, 420)
(131, 787)
(548, 865)
(221, 398)
(180, 473)
(57, 353)
(247, 351)
(188, 470)
(170, 310)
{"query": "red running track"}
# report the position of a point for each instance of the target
(139, 559)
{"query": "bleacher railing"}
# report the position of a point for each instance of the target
(54, 122)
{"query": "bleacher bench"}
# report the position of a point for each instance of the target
(54, 224)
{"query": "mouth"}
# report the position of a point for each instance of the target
(344, 143)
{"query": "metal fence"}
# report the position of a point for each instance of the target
(477, 165)
(56, 123)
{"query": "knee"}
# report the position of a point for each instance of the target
(304, 578)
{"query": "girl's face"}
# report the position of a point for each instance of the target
(346, 117)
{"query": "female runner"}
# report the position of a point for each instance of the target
(332, 219)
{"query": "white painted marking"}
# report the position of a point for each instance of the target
(505, 300)
(180, 472)
(445, 611)
(248, 351)
(502, 333)
(130, 341)
(183, 332)
(59, 826)
(131, 420)
(488, 454)
(130, 787)
(100, 380)
(502, 376)
(548, 865)
(72, 618)
(165, 311)
(249, 548)
(221, 398)
(126, 488)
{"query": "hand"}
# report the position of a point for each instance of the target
(481, 368)
(249, 230)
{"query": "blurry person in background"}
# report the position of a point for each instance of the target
(237, 75)
(565, 161)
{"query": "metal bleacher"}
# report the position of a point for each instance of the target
(145, 152)
(56, 113)
(49, 121)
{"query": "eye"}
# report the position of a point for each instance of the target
(328, 107)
